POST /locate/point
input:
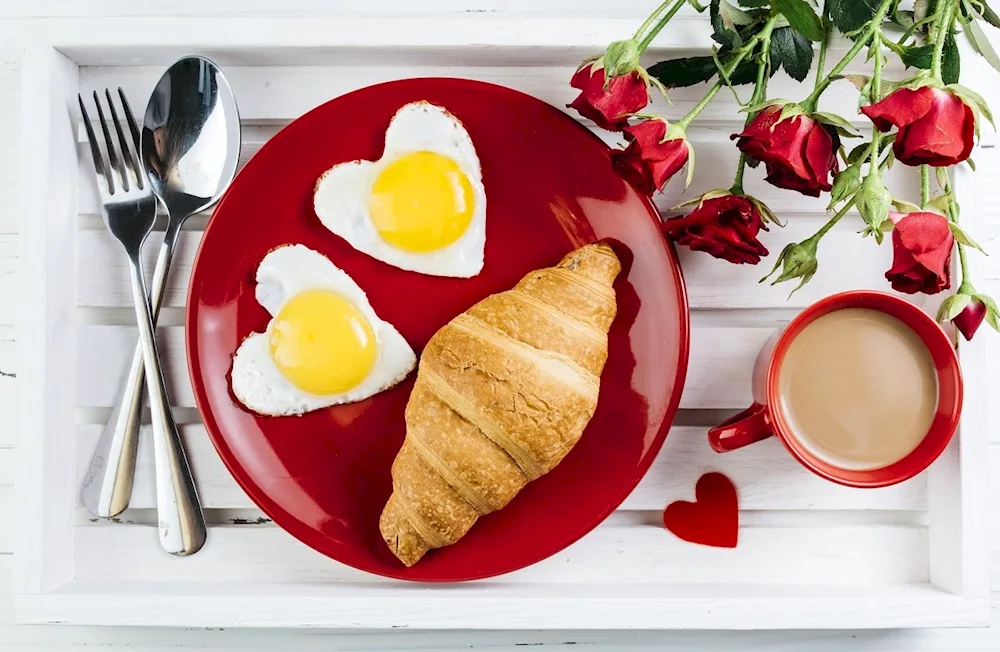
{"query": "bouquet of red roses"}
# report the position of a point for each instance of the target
(928, 121)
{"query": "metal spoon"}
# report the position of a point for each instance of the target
(190, 149)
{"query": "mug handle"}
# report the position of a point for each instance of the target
(748, 427)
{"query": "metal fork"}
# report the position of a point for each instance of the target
(129, 211)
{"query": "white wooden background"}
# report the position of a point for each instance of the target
(52, 638)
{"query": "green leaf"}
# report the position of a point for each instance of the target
(801, 17)
(953, 306)
(942, 177)
(903, 18)
(922, 9)
(754, 4)
(918, 56)
(793, 51)
(903, 206)
(860, 81)
(992, 313)
(789, 111)
(726, 20)
(845, 184)
(862, 150)
(963, 238)
(760, 106)
(678, 73)
(843, 126)
(973, 99)
(981, 42)
(990, 16)
(951, 64)
(851, 15)
(922, 56)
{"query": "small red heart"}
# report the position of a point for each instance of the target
(713, 519)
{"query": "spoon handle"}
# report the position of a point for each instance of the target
(107, 488)
(180, 518)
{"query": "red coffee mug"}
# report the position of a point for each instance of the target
(766, 418)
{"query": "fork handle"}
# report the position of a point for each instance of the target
(180, 518)
(108, 485)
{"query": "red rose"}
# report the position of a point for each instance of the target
(935, 126)
(654, 154)
(969, 320)
(725, 227)
(921, 253)
(799, 152)
(608, 102)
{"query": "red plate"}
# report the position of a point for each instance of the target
(550, 187)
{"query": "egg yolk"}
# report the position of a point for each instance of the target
(422, 202)
(322, 343)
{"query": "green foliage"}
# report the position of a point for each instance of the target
(802, 18)
(678, 73)
(791, 50)
(922, 56)
(727, 20)
(851, 15)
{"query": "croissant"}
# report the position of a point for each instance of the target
(503, 393)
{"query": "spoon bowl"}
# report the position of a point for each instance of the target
(191, 136)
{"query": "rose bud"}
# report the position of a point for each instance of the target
(921, 253)
(608, 102)
(655, 153)
(846, 184)
(797, 260)
(873, 202)
(799, 152)
(724, 226)
(936, 127)
(966, 311)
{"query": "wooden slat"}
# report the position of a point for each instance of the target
(868, 555)
(8, 384)
(284, 93)
(767, 477)
(102, 353)
(526, 8)
(7, 513)
(716, 164)
(994, 529)
(711, 283)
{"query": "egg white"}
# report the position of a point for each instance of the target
(342, 194)
(258, 383)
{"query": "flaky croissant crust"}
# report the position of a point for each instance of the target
(503, 393)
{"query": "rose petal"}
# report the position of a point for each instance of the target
(608, 107)
(899, 109)
(969, 320)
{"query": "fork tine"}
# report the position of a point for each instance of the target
(95, 150)
(110, 145)
(128, 163)
(135, 135)
(125, 163)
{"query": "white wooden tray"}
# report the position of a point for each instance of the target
(811, 554)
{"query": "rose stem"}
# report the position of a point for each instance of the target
(741, 54)
(833, 220)
(962, 262)
(876, 93)
(943, 31)
(809, 104)
(821, 64)
(759, 94)
(925, 185)
(660, 25)
(741, 166)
